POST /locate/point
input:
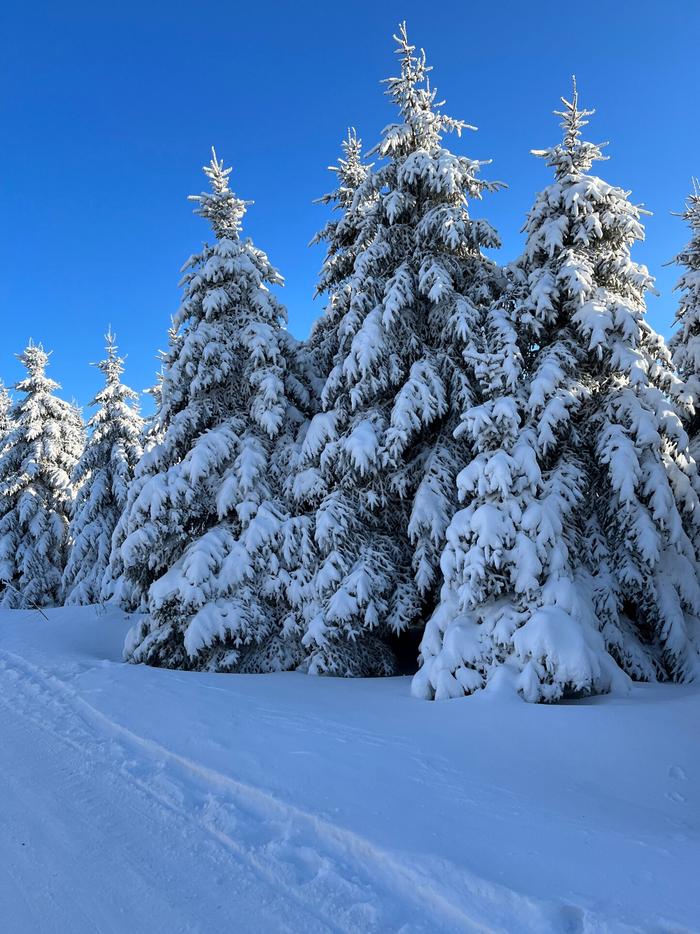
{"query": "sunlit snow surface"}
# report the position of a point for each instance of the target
(141, 800)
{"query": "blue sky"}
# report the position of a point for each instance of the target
(109, 111)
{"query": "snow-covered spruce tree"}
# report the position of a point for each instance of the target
(202, 526)
(407, 284)
(343, 236)
(115, 587)
(685, 343)
(101, 479)
(572, 561)
(315, 359)
(37, 459)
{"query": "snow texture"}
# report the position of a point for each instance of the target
(142, 800)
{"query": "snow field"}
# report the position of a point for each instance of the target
(150, 800)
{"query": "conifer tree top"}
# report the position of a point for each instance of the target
(220, 206)
(416, 100)
(113, 365)
(691, 255)
(35, 360)
(573, 156)
(350, 170)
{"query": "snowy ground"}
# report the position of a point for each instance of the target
(138, 800)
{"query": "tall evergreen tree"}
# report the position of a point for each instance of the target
(116, 588)
(685, 343)
(202, 524)
(407, 285)
(102, 477)
(342, 235)
(343, 238)
(573, 557)
(37, 459)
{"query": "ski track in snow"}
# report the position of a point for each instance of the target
(136, 800)
(310, 874)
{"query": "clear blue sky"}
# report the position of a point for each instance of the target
(109, 111)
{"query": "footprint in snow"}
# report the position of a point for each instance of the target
(675, 796)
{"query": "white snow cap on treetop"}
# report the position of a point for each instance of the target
(34, 358)
(572, 155)
(220, 206)
(412, 93)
